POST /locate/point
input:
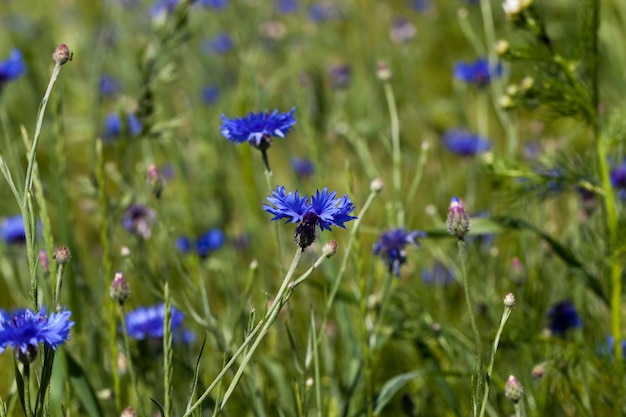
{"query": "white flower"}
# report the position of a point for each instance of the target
(515, 7)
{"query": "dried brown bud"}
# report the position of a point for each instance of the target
(62, 54)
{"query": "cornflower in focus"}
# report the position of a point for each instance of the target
(138, 220)
(322, 209)
(464, 143)
(147, 322)
(11, 68)
(24, 330)
(391, 247)
(205, 244)
(478, 72)
(563, 316)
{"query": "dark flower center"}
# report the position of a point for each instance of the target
(305, 232)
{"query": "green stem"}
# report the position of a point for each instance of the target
(26, 379)
(470, 310)
(396, 156)
(131, 369)
(168, 351)
(57, 292)
(279, 246)
(505, 317)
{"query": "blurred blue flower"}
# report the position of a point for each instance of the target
(113, 125)
(163, 6)
(303, 167)
(138, 219)
(323, 210)
(213, 4)
(12, 229)
(219, 44)
(147, 322)
(563, 316)
(255, 127)
(391, 247)
(438, 275)
(478, 72)
(206, 243)
(402, 30)
(609, 347)
(340, 76)
(210, 94)
(464, 143)
(24, 328)
(420, 5)
(12, 67)
(286, 6)
(618, 179)
(321, 11)
(109, 86)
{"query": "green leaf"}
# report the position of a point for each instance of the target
(159, 406)
(81, 387)
(391, 388)
(20, 386)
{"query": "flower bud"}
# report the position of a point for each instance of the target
(119, 288)
(62, 255)
(383, 72)
(509, 300)
(128, 412)
(539, 370)
(513, 389)
(155, 181)
(44, 262)
(330, 248)
(377, 185)
(458, 221)
(502, 47)
(27, 356)
(62, 54)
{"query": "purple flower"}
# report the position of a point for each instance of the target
(12, 229)
(24, 329)
(618, 179)
(210, 94)
(286, 6)
(256, 127)
(138, 220)
(147, 322)
(12, 67)
(322, 209)
(303, 167)
(219, 44)
(464, 143)
(563, 316)
(340, 76)
(402, 30)
(391, 247)
(478, 72)
(206, 243)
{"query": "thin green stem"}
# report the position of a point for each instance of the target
(131, 369)
(470, 310)
(168, 351)
(505, 317)
(57, 291)
(396, 155)
(26, 379)
(279, 246)
(316, 367)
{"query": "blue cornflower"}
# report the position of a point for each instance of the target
(391, 247)
(12, 67)
(12, 229)
(258, 128)
(618, 179)
(113, 125)
(402, 30)
(303, 167)
(109, 86)
(286, 6)
(323, 210)
(420, 5)
(439, 275)
(163, 7)
(478, 72)
(134, 124)
(340, 76)
(25, 329)
(609, 347)
(206, 243)
(563, 316)
(321, 11)
(147, 322)
(464, 143)
(213, 4)
(138, 220)
(210, 94)
(219, 44)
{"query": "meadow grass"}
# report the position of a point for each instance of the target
(130, 199)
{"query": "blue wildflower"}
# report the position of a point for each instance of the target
(609, 347)
(391, 247)
(286, 6)
(618, 179)
(147, 322)
(25, 329)
(209, 242)
(258, 128)
(464, 143)
(219, 44)
(12, 229)
(213, 4)
(12, 67)
(134, 124)
(210, 94)
(323, 210)
(108, 86)
(438, 275)
(302, 167)
(478, 72)
(563, 316)
(138, 220)
(113, 125)
(420, 5)
(322, 11)
(340, 76)
(163, 7)
(402, 30)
